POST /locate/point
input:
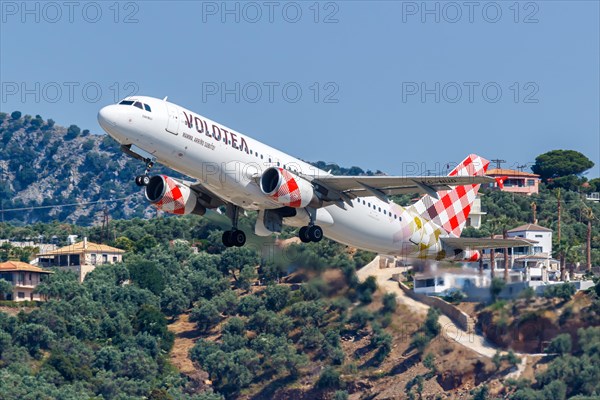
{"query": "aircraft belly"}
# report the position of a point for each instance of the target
(358, 228)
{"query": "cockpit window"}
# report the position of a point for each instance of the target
(138, 105)
(126, 102)
(147, 107)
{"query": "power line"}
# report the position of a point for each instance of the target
(68, 204)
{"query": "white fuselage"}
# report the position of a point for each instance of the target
(228, 162)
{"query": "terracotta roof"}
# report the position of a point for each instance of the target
(78, 248)
(530, 227)
(510, 172)
(12, 266)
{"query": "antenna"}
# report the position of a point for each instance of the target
(521, 167)
(498, 162)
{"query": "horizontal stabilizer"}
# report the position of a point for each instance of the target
(484, 243)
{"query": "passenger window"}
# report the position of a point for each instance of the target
(138, 105)
(147, 108)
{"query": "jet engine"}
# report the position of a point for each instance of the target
(287, 188)
(169, 195)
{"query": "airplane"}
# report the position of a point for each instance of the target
(233, 171)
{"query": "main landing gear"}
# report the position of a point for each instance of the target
(311, 232)
(233, 237)
(144, 180)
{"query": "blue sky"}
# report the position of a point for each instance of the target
(396, 86)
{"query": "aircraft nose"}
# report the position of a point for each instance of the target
(107, 116)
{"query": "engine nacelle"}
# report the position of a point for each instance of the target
(287, 188)
(169, 195)
(468, 256)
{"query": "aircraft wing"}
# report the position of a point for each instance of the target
(383, 186)
(484, 243)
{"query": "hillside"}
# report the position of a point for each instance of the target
(43, 164)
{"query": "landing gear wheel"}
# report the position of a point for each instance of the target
(302, 234)
(233, 238)
(315, 233)
(142, 180)
(238, 238)
(226, 238)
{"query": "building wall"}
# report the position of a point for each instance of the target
(93, 258)
(24, 283)
(544, 239)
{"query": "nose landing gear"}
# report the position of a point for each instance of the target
(144, 180)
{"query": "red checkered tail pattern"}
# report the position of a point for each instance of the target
(451, 210)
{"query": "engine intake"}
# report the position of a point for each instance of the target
(169, 195)
(287, 188)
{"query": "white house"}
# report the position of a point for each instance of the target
(541, 235)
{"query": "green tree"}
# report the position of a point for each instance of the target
(561, 344)
(329, 379)
(72, 132)
(277, 297)
(173, 301)
(146, 274)
(5, 288)
(558, 163)
(389, 303)
(496, 287)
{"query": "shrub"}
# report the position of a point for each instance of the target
(329, 379)
(561, 344)
(389, 303)
(562, 291)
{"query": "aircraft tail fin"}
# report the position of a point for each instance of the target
(452, 207)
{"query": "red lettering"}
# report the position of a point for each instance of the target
(198, 126)
(233, 141)
(188, 120)
(244, 145)
(225, 138)
(216, 132)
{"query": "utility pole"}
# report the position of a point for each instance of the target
(498, 162)
(534, 210)
(105, 233)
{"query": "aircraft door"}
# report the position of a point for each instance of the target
(173, 118)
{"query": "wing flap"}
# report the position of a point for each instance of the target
(364, 186)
